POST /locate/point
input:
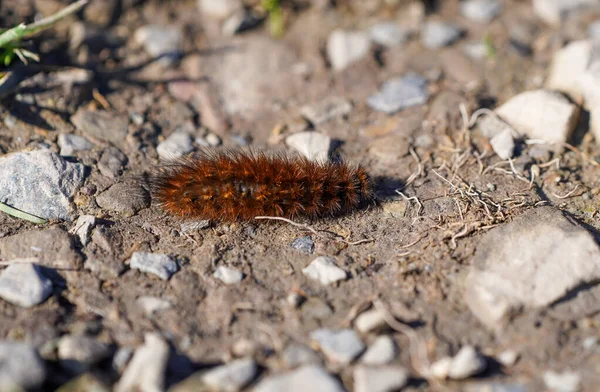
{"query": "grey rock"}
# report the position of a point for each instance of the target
(315, 308)
(594, 30)
(106, 126)
(531, 262)
(326, 110)
(554, 12)
(437, 34)
(307, 378)
(157, 264)
(400, 93)
(124, 198)
(146, 370)
(346, 47)
(79, 353)
(341, 346)
(52, 246)
(112, 162)
(298, 355)
(228, 275)
(381, 352)
(176, 145)
(379, 379)
(466, 363)
(324, 270)
(567, 67)
(160, 41)
(23, 284)
(231, 377)
(482, 11)
(389, 34)
(304, 245)
(21, 367)
(40, 183)
(313, 145)
(70, 143)
(503, 144)
(151, 305)
(83, 228)
(121, 358)
(541, 114)
(370, 320)
(562, 382)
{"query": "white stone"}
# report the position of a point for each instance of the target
(160, 265)
(482, 11)
(151, 305)
(379, 379)
(146, 370)
(307, 378)
(325, 110)
(440, 368)
(562, 382)
(475, 50)
(568, 64)
(370, 320)
(228, 275)
(83, 228)
(40, 183)
(437, 34)
(346, 47)
(340, 346)
(530, 262)
(554, 12)
(313, 145)
(70, 143)
(297, 355)
(324, 270)
(23, 284)
(21, 367)
(160, 41)
(231, 377)
(590, 83)
(503, 144)
(540, 114)
(219, 9)
(507, 357)
(388, 34)
(381, 352)
(466, 363)
(78, 353)
(176, 145)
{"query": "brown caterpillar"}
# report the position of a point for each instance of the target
(235, 185)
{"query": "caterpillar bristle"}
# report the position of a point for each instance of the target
(239, 185)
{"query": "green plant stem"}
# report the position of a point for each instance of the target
(21, 214)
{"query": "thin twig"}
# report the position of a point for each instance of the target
(415, 198)
(568, 194)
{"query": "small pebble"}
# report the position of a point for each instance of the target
(341, 346)
(388, 34)
(83, 228)
(346, 47)
(381, 352)
(371, 320)
(379, 379)
(121, 358)
(125, 198)
(78, 353)
(466, 363)
(108, 126)
(313, 145)
(212, 139)
(70, 143)
(476, 50)
(176, 145)
(151, 305)
(146, 370)
(562, 382)
(590, 343)
(162, 42)
(304, 245)
(508, 357)
(23, 284)
(219, 9)
(187, 227)
(400, 93)
(324, 270)
(228, 275)
(21, 367)
(298, 355)
(306, 378)
(503, 144)
(482, 11)
(112, 162)
(160, 265)
(437, 34)
(326, 110)
(233, 376)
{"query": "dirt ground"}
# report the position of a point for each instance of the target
(419, 246)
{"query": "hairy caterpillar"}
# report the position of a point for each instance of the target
(235, 185)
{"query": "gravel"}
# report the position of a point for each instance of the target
(482, 11)
(298, 355)
(370, 320)
(388, 34)
(381, 352)
(324, 270)
(437, 34)
(160, 265)
(400, 93)
(176, 145)
(79, 353)
(304, 245)
(107, 126)
(146, 370)
(124, 198)
(160, 41)
(228, 275)
(40, 182)
(69, 144)
(83, 228)
(23, 284)
(346, 47)
(231, 377)
(562, 382)
(379, 379)
(112, 162)
(339, 346)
